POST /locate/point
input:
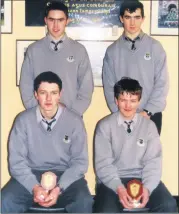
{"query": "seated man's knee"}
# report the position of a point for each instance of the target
(170, 205)
(82, 204)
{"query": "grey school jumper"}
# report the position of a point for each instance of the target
(72, 65)
(62, 149)
(119, 154)
(147, 64)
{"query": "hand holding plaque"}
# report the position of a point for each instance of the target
(135, 190)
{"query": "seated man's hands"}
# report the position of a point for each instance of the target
(40, 194)
(51, 198)
(144, 197)
(124, 198)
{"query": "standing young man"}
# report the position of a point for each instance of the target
(127, 147)
(62, 55)
(48, 137)
(137, 55)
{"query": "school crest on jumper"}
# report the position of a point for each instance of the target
(70, 59)
(66, 139)
(147, 56)
(140, 142)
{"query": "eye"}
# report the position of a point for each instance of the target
(127, 17)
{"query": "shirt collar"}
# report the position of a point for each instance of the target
(140, 36)
(121, 119)
(40, 117)
(51, 39)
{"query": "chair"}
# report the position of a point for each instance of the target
(35, 208)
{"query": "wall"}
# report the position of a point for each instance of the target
(11, 103)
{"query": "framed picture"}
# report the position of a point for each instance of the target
(96, 51)
(21, 48)
(164, 17)
(6, 16)
(82, 13)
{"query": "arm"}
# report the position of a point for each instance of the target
(157, 100)
(78, 163)
(109, 81)
(152, 160)
(85, 85)
(106, 171)
(18, 155)
(27, 82)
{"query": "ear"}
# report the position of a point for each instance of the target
(121, 19)
(68, 21)
(36, 96)
(45, 20)
(116, 101)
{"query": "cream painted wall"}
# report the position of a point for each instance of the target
(12, 105)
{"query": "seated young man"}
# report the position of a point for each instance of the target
(52, 138)
(127, 146)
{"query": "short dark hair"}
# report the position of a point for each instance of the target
(127, 85)
(56, 5)
(49, 77)
(131, 6)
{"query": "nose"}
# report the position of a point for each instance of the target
(127, 105)
(132, 21)
(55, 24)
(48, 97)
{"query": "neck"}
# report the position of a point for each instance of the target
(48, 114)
(128, 118)
(132, 36)
(57, 39)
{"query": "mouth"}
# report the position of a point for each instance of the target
(48, 104)
(127, 110)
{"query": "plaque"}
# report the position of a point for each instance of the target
(48, 181)
(135, 190)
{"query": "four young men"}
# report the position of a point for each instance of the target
(50, 134)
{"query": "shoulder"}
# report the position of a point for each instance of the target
(36, 44)
(25, 116)
(77, 45)
(107, 121)
(156, 45)
(75, 119)
(149, 125)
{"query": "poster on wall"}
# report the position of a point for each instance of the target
(6, 16)
(89, 13)
(164, 17)
(96, 51)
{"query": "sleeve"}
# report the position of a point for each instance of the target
(157, 100)
(85, 85)
(78, 163)
(18, 156)
(152, 161)
(108, 78)
(105, 170)
(27, 82)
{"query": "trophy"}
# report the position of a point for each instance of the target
(48, 181)
(135, 190)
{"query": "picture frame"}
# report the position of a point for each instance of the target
(21, 48)
(164, 17)
(6, 16)
(96, 51)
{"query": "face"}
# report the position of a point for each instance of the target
(128, 104)
(48, 95)
(56, 22)
(132, 22)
